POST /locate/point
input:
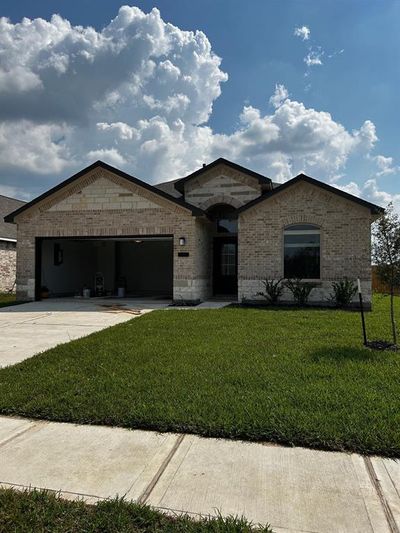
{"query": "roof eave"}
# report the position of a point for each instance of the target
(374, 209)
(180, 184)
(194, 210)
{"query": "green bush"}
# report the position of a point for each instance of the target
(343, 292)
(300, 290)
(272, 290)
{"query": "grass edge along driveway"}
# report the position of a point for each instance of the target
(291, 376)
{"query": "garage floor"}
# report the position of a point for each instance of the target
(30, 328)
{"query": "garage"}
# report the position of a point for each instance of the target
(126, 266)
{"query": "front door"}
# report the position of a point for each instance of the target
(225, 265)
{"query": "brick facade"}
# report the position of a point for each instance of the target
(54, 217)
(345, 239)
(103, 204)
(222, 185)
(8, 258)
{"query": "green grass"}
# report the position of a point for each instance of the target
(7, 299)
(40, 511)
(292, 376)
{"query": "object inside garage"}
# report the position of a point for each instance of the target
(134, 267)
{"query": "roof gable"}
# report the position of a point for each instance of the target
(106, 192)
(263, 180)
(101, 165)
(375, 209)
(8, 231)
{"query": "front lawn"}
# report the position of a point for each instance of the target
(7, 299)
(46, 512)
(289, 376)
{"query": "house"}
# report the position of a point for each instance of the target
(217, 232)
(8, 244)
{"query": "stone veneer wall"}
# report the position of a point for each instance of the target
(345, 239)
(221, 185)
(8, 259)
(203, 258)
(110, 206)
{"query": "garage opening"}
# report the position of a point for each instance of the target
(133, 267)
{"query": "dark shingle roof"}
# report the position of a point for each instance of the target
(169, 187)
(7, 205)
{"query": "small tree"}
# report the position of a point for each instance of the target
(386, 255)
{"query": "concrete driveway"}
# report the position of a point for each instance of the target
(30, 328)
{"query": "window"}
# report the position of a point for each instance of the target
(225, 218)
(228, 259)
(302, 251)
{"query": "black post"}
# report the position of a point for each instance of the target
(362, 311)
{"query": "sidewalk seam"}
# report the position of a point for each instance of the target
(150, 487)
(18, 434)
(391, 479)
(176, 472)
(378, 488)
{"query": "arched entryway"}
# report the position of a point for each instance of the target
(225, 278)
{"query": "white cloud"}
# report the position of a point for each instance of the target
(33, 148)
(138, 94)
(372, 192)
(303, 32)
(352, 188)
(54, 75)
(292, 139)
(336, 53)
(15, 192)
(111, 155)
(333, 179)
(385, 165)
(18, 79)
(118, 129)
(314, 57)
(366, 136)
(279, 96)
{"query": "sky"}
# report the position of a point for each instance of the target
(158, 89)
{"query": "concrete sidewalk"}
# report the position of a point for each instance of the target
(293, 489)
(30, 328)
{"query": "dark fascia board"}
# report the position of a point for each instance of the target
(100, 164)
(180, 184)
(375, 209)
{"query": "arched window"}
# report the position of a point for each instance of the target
(302, 251)
(225, 218)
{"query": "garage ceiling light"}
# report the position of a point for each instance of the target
(138, 242)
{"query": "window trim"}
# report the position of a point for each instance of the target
(316, 229)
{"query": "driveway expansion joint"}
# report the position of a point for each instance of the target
(19, 434)
(150, 487)
(378, 488)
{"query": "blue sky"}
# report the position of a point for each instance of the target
(357, 43)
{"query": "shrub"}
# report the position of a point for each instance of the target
(343, 292)
(272, 290)
(300, 290)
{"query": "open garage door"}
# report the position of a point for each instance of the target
(142, 266)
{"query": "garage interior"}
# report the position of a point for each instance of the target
(140, 266)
